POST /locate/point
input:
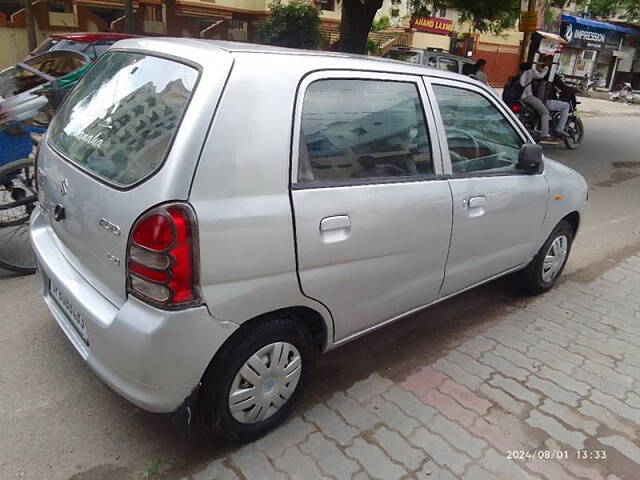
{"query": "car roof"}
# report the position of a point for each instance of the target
(93, 36)
(195, 50)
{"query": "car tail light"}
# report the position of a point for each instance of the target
(161, 257)
(516, 108)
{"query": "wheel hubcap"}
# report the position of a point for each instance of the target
(554, 259)
(265, 382)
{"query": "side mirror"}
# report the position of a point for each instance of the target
(530, 159)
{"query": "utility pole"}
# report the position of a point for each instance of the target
(129, 25)
(526, 41)
(30, 25)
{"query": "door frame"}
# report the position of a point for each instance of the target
(491, 97)
(437, 154)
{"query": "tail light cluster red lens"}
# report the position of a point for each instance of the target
(516, 108)
(161, 267)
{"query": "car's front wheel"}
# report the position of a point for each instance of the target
(545, 268)
(255, 382)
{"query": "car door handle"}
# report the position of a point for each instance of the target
(475, 202)
(336, 222)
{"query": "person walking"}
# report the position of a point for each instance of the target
(527, 76)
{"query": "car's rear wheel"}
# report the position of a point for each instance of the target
(545, 268)
(256, 380)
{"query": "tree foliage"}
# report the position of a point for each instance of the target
(381, 23)
(292, 25)
(625, 9)
(493, 16)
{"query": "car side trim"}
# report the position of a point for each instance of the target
(417, 309)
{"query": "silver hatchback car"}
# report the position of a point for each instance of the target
(213, 214)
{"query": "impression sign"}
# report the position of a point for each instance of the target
(580, 36)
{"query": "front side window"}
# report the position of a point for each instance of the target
(480, 138)
(362, 130)
(119, 121)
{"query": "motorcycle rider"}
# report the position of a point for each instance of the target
(527, 76)
(554, 104)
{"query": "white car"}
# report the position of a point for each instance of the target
(213, 214)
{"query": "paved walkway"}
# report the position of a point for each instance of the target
(549, 391)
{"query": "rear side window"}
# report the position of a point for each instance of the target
(405, 55)
(362, 130)
(448, 64)
(119, 121)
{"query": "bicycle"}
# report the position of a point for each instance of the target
(18, 197)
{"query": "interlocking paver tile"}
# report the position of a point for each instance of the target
(331, 460)
(375, 461)
(558, 373)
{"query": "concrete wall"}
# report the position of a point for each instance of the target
(430, 40)
(14, 46)
(250, 5)
(62, 19)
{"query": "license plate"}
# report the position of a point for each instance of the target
(71, 312)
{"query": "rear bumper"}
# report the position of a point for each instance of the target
(154, 358)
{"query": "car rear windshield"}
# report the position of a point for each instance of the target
(119, 121)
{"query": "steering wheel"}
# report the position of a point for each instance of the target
(457, 133)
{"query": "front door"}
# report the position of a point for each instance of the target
(372, 218)
(498, 210)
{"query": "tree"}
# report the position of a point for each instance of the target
(292, 25)
(381, 24)
(30, 25)
(357, 18)
(493, 16)
(484, 16)
(128, 16)
(626, 9)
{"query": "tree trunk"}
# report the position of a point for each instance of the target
(357, 17)
(129, 23)
(30, 25)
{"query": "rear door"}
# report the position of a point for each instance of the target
(125, 139)
(372, 217)
(498, 210)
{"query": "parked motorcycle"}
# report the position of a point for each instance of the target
(623, 92)
(590, 84)
(574, 128)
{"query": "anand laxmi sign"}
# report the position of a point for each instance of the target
(440, 26)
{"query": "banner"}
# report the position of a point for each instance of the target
(440, 26)
(579, 36)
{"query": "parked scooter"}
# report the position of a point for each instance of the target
(623, 92)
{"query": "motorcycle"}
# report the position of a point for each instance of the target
(574, 128)
(591, 84)
(623, 92)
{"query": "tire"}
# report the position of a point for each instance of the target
(535, 277)
(575, 135)
(17, 200)
(222, 377)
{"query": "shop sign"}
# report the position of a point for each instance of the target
(440, 26)
(579, 36)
